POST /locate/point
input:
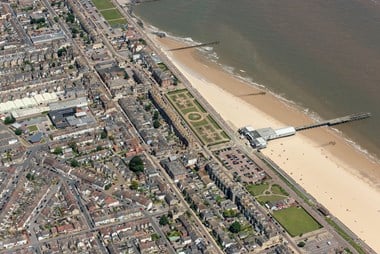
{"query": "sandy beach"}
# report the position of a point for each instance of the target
(340, 177)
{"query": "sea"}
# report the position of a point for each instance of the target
(322, 55)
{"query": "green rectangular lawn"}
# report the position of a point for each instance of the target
(103, 4)
(257, 189)
(111, 14)
(296, 220)
(116, 22)
(32, 128)
(269, 198)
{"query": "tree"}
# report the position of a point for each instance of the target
(9, 120)
(61, 51)
(74, 30)
(58, 150)
(73, 145)
(99, 148)
(108, 186)
(30, 177)
(156, 124)
(134, 185)
(70, 18)
(148, 107)
(103, 134)
(235, 227)
(155, 237)
(56, 19)
(229, 213)
(136, 164)
(164, 220)
(74, 163)
(218, 199)
(37, 21)
(155, 115)
(142, 41)
(301, 244)
(18, 132)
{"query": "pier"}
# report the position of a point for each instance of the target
(336, 121)
(196, 46)
(258, 138)
(142, 1)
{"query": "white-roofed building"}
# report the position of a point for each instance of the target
(27, 112)
(39, 99)
(7, 106)
(284, 132)
(78, 102)
(47, 97)
(19, 103)
(80, 114)
(258, 138)
(29, 102)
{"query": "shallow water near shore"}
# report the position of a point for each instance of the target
(322, 55)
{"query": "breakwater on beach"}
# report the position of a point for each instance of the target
(321, 55)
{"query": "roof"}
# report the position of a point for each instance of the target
(59, 117)
(248, 128)
(78, 102)
(28, 111)
(266, 133)
(27, 102)
(36, 137)
(16, 125)
(174, 167)
(287, 131)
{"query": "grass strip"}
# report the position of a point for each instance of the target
(345, 236)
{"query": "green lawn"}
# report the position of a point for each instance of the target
(103, 4)
(212, 121)
(117, 22)
(194, 117)
(269, 198)
(176, 92)
(204, 126)
(200, 106)
(32, 128)
(111, 14)
(346, 237)
(257, 189)
(188, 110)
(296, 220)
(162, 66)
(197, 124)
(276, 189)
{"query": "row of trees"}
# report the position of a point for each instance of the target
(156, 115)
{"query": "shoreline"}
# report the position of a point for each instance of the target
(339, 166)
(212, 58)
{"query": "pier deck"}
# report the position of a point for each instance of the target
(196, 46)
(336, 121)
